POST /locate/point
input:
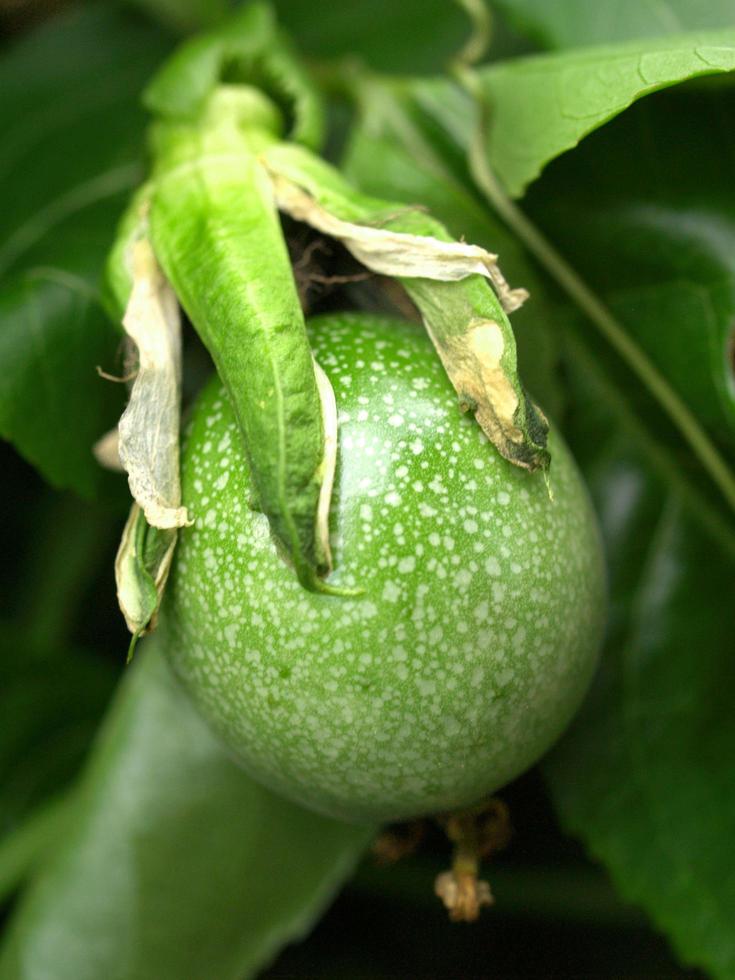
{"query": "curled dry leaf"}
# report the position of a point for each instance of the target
(149, 427)
(395, 253)
(446, 279)
(107, 451)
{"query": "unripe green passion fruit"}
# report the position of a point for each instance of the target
(482, 611)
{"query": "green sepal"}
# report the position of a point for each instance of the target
(246, 49)
(216, 233)
(141, 571)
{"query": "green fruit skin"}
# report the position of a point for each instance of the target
(482, 614)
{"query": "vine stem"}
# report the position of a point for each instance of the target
(586, 300)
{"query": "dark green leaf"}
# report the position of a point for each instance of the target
(71, 151)
(570, 23)
(52, 690)
(645, 777)
(185, 15)
(652, 231)
(415, 35)
(545, 104)
(175, 863)
(658, 725)
(53, 405)
(73, 135)
(51, 702)
(418, 35)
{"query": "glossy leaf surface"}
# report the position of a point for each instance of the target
(543, 105)
(569, 23)
(174, 863)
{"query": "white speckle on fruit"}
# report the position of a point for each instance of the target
(492, 566)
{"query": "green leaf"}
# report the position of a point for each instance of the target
(570, 23)
(175, 863)
(53, 405)
(655, 238)
(72, 137)
(652, 238)
(216, 233)
(71, 148)
(543, 105)
(645, 776)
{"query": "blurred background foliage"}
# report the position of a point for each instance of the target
(644, 210)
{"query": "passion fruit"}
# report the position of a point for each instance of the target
(482, 609)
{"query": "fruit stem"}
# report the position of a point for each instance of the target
(476, 833)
